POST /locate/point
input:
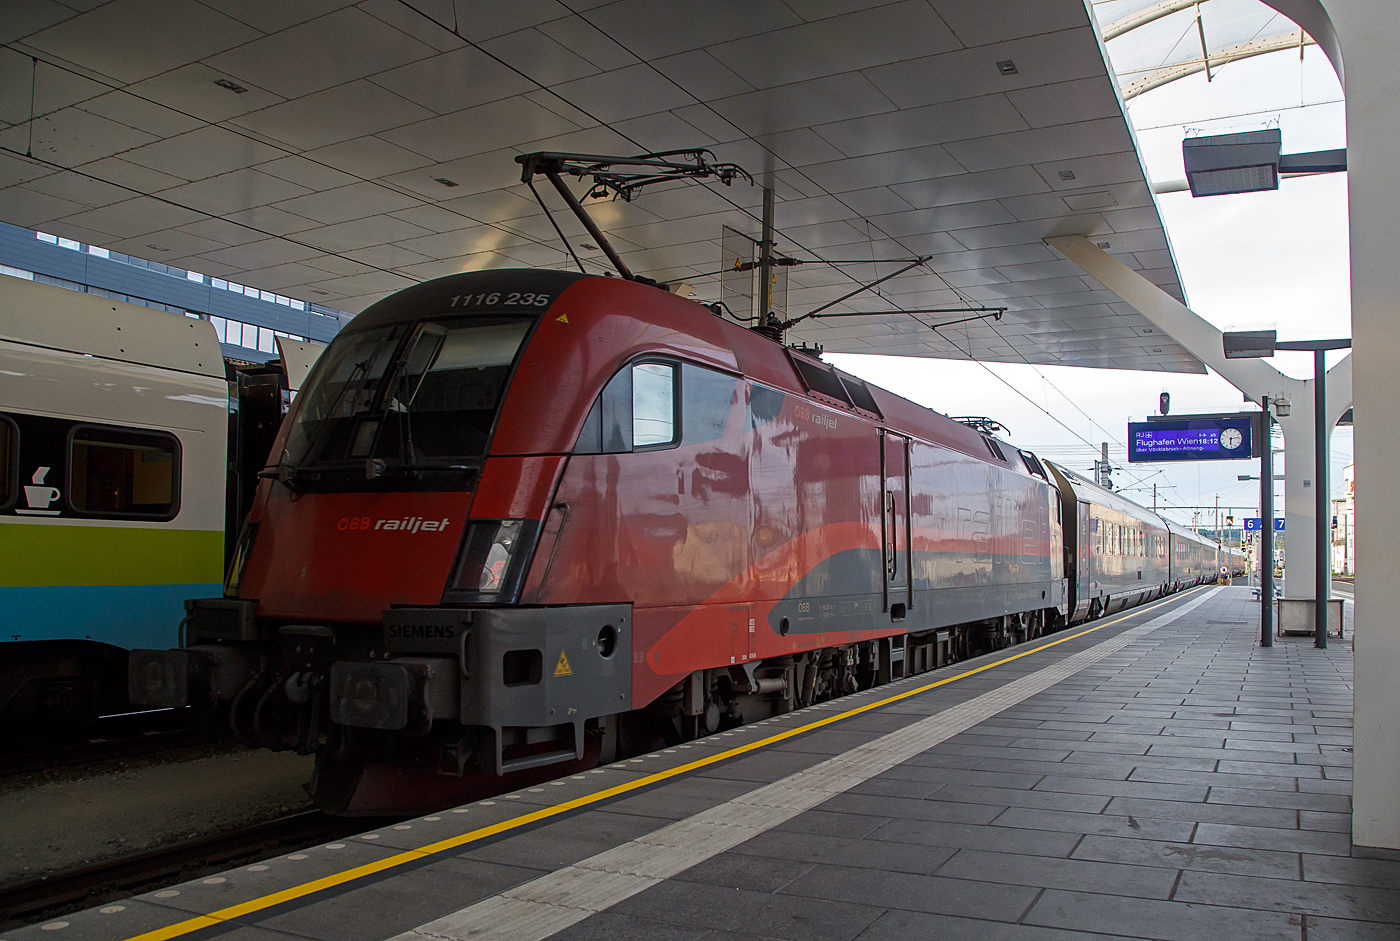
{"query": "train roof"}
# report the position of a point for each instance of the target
(689, 330)
(36, 314)
(1178, 530)
(434, 298)
(1085, 488)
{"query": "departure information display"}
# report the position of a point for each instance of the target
(1216, 439)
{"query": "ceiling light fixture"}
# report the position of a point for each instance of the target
(444, 181)
(234, 87)
(1006, 67)
(159, 248)
(1066, 174)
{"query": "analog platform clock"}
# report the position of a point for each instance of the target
(1231, 438)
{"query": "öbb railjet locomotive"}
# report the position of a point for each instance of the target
(519, 522)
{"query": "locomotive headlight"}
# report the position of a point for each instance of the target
(234, 580)
(493, 569)
(492, 558)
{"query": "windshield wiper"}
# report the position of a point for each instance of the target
(288, 475)
(410, 457)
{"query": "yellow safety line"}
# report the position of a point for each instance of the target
(544, 813)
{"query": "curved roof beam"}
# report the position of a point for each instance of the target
(1255, 47)
(1144, 16)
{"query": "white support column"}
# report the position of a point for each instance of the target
(1253, 377)
(1368, 34)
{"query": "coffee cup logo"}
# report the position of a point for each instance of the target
(38, 495)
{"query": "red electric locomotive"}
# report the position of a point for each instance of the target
(522, 521)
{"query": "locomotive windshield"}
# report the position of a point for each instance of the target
(405, 395)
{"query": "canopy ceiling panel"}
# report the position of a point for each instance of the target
(339, 151)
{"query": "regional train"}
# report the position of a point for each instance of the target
(519, 522)
(127, 442)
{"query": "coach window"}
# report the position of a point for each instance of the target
(653, 405)
(9, 461)
(119, 473)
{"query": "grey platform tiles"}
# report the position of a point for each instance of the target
(1162, 777)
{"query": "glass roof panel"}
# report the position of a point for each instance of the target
(1175, 38)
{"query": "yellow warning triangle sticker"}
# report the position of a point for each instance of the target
(562, 668)
(562, 318)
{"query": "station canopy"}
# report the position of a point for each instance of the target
(338, 152)
(1153, 42)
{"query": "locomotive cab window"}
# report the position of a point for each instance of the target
(406, 395)
(447, 391)
(133, 474)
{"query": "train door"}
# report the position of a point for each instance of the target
(895, 530)
(1085, 576)
(260, 399)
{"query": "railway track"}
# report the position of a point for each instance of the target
(72, 890)
(110, 737)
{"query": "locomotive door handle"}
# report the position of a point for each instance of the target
(891, 533)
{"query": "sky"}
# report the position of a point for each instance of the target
(1277, 259)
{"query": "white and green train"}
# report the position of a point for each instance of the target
(121, 470)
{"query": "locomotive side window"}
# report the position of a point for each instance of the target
(706, 398)
(653, 404)
(123, 473)
(9, 461)
(641, 407)
(616, 414)
(608, 427)
(590, 439)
